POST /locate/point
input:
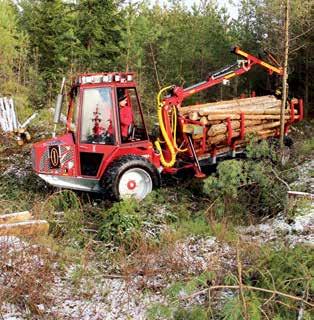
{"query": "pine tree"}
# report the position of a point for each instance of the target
(13, 51)
(52, 35)
(99, 28)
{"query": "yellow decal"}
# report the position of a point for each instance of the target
(242, 53)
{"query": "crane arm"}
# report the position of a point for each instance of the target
(178, 94)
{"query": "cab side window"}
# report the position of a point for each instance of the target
(132, 126)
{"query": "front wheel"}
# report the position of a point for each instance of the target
(130, 176)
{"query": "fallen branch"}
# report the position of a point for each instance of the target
(281, 180)
(292, 297)
(300, 195)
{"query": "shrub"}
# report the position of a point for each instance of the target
(65, 215)
(288, 270)
(197, 227)
(122, 224)
(306, 148)
(245, 186)
(194, 313)
(128, 221)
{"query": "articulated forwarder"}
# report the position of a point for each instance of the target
(106, 147)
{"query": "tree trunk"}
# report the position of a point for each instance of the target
(306, 83)
(15, 217)
(285, 74)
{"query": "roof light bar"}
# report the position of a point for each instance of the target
(100, 78)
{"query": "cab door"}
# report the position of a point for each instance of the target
(136, 131)
(96, 130)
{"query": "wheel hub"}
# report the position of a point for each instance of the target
(135, 182)
(131, 185)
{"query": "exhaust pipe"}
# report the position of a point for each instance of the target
(58, 107)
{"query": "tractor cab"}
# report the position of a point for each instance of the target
(104, 124)
(106, 110)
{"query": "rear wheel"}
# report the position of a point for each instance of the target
(281, 156)
(284, 155)
(130, 176)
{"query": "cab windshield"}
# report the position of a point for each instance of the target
(97, 121)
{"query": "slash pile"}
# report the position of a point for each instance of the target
(258, 115)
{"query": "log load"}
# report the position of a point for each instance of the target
(260, 115)
(230, 104)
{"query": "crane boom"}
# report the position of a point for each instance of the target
(179, 94)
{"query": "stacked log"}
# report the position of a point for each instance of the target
(8, 120)
(261, 117)
(21, 224)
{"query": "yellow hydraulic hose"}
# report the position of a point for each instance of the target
(174, 129)
(167, 164)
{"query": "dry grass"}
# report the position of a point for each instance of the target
(154, 266)
(26, 274)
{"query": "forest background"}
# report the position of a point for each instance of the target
(171, 43)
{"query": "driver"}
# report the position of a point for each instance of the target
(126, 116)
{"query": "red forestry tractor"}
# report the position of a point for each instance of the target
(106, 147)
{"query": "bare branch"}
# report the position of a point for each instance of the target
(240, 283)
(302, 34)
(281, 180)
(274, 288)
(298, 48)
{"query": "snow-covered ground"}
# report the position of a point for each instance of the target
(109, 296)
(290, 231)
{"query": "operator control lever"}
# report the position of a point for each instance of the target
(197, 167)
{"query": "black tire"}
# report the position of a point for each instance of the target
(286, 140)
(119, 168)
(282, 156)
